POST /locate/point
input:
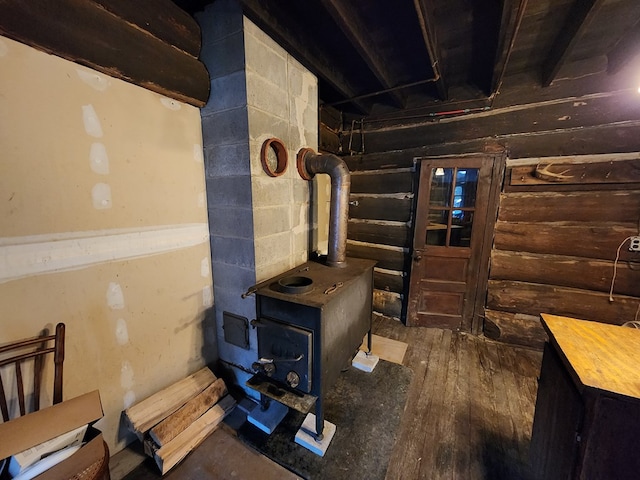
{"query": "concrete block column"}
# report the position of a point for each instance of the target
(259, 225)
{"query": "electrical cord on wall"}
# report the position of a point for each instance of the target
(615, 267)
(633, 323)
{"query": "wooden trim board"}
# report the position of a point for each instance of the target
(386, 348)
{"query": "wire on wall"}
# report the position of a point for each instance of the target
(615, 268)
(633, 323)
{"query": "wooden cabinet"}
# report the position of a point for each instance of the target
(587, 418)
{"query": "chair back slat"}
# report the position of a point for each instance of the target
(34, 351)
(21, 344)
(3, 403)
(20, 385)
(58, 359)
(38, 364)
(25, 356)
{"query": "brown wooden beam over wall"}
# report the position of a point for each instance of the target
(150, 43)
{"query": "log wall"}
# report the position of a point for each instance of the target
(554, 244)
(380, 212)
(555, 249)
(379, 228)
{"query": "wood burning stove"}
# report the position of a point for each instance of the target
(311, 321)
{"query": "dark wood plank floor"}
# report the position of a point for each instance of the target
(470, 407)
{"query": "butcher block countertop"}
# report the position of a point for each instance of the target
(599, 356)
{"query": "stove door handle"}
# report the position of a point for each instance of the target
(264, 361)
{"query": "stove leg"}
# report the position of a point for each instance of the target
(309, 439)
(318, 436)
(369, 338)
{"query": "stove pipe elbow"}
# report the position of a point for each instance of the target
(310, 163)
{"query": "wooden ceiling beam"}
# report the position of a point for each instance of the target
(512, 14)
(580, 16)
(427, 26)
(160, 18)
(294, 37)
(624, 51)
(347, 18)
(111, 37)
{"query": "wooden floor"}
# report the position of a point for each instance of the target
(470, 406)
(468, 415)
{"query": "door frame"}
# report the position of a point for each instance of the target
(498, 160)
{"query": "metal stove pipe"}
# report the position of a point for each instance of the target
(309, 163)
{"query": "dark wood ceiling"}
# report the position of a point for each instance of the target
(376, 57)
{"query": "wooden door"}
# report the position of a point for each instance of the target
(450, 252)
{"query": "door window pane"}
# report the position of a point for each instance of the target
(466, 187)
(461, 229)
(441, 183)
(437, 227)
(452, 202)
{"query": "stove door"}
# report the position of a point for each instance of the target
(286, 352)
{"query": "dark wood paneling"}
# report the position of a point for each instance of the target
(387, 303)
(450, 270)
(387, 259)
(558, 414)
(533, 299)
(331, 118)
(329, 140)
(514, 328)
(101, 40)
(586, 240)
(374, 206)
(388, 282)
(531, 119)
(393, 235)
(600, 138)
(380, 161)
(397, 182)
(548, 173)
(596, 206)
(574, 272)
(381, 208)
(616, 423)
(588, 224)
(525, 88)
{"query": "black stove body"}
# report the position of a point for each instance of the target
(311, 321)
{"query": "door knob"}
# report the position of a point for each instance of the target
(417, 258)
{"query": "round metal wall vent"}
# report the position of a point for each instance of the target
(274, 157)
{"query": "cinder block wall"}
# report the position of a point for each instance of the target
(259, 225)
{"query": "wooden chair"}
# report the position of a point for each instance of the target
(35, 348)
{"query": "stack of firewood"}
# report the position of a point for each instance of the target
(174, 421)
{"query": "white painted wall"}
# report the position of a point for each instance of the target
(103, 226)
